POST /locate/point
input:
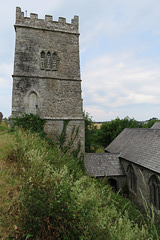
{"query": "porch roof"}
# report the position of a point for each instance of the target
(103, 164)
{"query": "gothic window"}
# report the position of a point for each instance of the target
(154, 185)
(33, 103)
(54, 63)
(131, 178)
(42, 60)
(48, 61)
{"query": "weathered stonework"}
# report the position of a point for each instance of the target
(143, 175)
(46, 78)
(120, 182)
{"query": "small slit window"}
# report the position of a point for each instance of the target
(42, 60)
(48, 61)
(54, 64)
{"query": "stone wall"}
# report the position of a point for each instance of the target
(47, 23)
(120, 182)
(47, 71)
(57, 98)
(54, 128)
(142, 183)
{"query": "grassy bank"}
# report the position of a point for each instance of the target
(45, 194)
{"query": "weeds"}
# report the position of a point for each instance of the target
(49, 197)
(3, 128)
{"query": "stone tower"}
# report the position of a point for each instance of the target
(46, 78)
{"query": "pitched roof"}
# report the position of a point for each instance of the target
(138, 145)
(103, 164)
(156, 125)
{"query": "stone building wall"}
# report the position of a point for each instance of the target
(142, 188)
(46, 77)
(120, 182)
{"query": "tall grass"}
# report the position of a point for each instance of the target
(56, 200)
(3, 127)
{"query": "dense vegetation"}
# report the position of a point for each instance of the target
(98, 139)
(45, 194)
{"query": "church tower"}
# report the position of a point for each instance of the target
(46, 77)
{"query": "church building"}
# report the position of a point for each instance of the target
(46, 77)
(132, 159)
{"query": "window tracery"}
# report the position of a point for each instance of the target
(48, 61)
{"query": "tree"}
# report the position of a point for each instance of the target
(150, 123)
(110, 130)
(91, 143)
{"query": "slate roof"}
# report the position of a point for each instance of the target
(156, 125)
(138, 145)
(103, 164)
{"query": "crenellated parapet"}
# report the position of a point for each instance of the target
(48, 24)
(46, 77)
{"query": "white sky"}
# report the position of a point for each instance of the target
(119, 53)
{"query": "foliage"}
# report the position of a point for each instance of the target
(97, 139)
(9, 187)
(110, 130)
(3, 127)
(91, 143)
(63, 135)
(30, 122)
(46, 195)
(150, 123)
(70, 144)
(55, 200)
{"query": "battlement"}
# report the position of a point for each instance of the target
(48, 24)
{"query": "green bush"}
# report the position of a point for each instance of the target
(30, 122)
(3, 127)
(58, 201)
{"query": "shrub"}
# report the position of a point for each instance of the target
(57, 201)
(3, 127)
(30, 122)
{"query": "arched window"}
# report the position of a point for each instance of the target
(33, 103)
(54, 63)
(154, 186)
(48, 61)
(131, 178)
(42, 60)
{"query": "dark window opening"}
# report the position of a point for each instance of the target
(113, 184)
(48, 61)
(154, 185)
(42, 60)
(131, 178)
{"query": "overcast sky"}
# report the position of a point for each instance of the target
(119, 53)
